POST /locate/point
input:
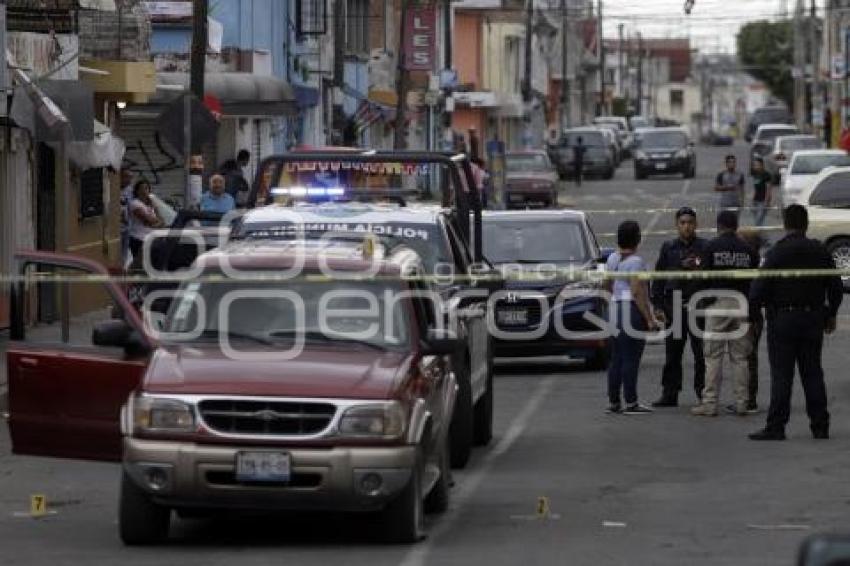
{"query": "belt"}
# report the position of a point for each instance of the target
(796, 308)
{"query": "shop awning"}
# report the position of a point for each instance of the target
(241, 94)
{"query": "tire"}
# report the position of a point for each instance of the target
(599, 360)
(484, 412)
(609, 174)
(553, 203)
(463, 419)
(140, 521)
(437, 500)
(402, 518)
(639, 175)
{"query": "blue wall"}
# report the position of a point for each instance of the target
(255, 24)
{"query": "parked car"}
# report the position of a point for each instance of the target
(803, 170)
(636, 122)
(828, 202)
(434, 234)
(767, 115)
(664, 151)
(765, 137)
(598, 157)
(610, 132)
(784, 148)
(208, 417)
(524, 244)
(531, 180)
(623, 131)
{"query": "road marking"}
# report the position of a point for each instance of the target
(418, 554)
(657, 216)
(782, 527)
(613, 524)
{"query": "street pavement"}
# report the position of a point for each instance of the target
(662, 489)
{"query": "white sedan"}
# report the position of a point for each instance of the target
(804, 168)
(827, 199)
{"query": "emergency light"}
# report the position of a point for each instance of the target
(308, 191)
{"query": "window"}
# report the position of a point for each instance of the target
(91, 193)
(357, 27)
(833, 192)
(677, 100)
(311, 17)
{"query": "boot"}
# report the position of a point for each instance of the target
(704, 410)
(667, 399)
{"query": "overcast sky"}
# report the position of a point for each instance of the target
(712, 25)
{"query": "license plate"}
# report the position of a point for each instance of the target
(263, 467)
(661, 166)
(513, 317)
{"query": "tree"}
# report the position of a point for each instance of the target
(766, 51)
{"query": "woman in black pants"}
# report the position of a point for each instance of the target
(631, 315)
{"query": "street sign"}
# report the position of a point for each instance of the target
(419, 52)
(448, 79)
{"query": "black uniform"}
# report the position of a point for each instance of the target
(797, 309)
(578, 161)
(728, 251)
(677, 255)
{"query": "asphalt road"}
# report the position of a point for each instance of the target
(664, 489)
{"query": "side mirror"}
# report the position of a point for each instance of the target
(692, 144)
(440, 343)
(824, 550)
(783, 171)
(604, 254)
(118, 334)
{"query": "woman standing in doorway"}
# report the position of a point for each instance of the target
(143, 218)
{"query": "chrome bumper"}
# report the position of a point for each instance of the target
(202, 476)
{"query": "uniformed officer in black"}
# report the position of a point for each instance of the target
(682, 253)
(799, 311)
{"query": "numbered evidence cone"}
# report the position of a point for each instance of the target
(542, 507)
(38, 505)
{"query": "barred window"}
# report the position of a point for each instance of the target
(312, 17)
(357, 27)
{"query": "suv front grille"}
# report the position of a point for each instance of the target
(266, 417)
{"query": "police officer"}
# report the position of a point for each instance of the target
(799, 312)
(670, 299)
(726, 325)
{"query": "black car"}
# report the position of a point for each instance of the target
(542, 311)
(598, 158)
(665, 151)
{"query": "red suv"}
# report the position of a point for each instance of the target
(255, 391)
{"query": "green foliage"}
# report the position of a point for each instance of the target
(766, 50)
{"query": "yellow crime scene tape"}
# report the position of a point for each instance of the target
(520, 274)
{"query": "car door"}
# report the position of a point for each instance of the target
(65, 393)
(475, 317)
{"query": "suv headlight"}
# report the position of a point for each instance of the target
(384, 420)
(640, 155)
(162, 415)
(682, 154)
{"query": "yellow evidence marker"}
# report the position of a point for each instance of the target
(38, 505)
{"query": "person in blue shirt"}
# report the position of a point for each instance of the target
(217, 199)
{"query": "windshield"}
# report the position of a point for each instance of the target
(765, 116)
(666, 140)
(335, 312)
(520, 241)
(800, 143)
(588, 139)
(427, 240)
(527, 162)
(609, 122)
(772, 134)
(814, 164)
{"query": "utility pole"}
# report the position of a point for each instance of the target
(199, 47)
(198, 63)
(526, 82)
(601, 106)
(448, 135)
(639, 100)
(799, 64)
(565, 68)
(813, 60)
(620, 62)
(399, 141)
